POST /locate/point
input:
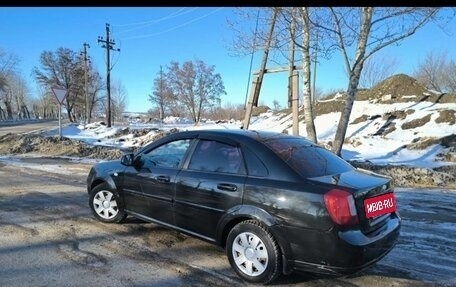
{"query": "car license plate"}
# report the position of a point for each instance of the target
(379, 205)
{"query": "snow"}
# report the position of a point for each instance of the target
(428, 224)
(362, 145)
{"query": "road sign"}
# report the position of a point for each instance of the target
(59, 94)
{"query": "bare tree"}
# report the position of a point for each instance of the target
(95, 86)
(45, 105)
(450, 77)
(249, 38)
(63, 69)
(8, 65)
(431, 71)
(317, 94)
(14, 96)
(119, 99)
(7, 98)
(365, 31)
(162, 95)
(307, 95)
(196, 86)
(276, 105)
(228, 112)
(19, 95)
(375, 70)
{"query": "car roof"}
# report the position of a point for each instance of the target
(228, 135)
(238, 134)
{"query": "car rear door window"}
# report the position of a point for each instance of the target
(214, 156)
(255, 167)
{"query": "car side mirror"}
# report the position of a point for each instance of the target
(127, 159)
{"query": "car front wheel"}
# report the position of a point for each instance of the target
(253, 252)
(106, 205)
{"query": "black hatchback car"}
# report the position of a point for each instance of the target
(275, 202)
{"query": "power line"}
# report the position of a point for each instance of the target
(172, 15)
(173, 28)
(145, 24)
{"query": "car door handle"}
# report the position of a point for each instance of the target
(227, 186)
(162, 178)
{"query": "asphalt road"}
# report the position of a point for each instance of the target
(20, 127)
(48, 237)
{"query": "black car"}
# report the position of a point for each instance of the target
(275, 202)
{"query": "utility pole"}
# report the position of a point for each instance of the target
(86, 90)
(108, 44)
(256, 84)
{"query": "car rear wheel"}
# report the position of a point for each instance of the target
(106, 205)
(253, 252)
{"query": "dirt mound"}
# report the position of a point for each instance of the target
(335, 106)
(416, 122)
(406, 176)
(260, 110)
(395, 89)
(54, 146)
(423, 143)
(446, 116)
(398, 87)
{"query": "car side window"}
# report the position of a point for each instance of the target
(308, 160)
(168, 155)
(215, 156)
(255, 167)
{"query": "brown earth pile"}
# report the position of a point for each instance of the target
(54, 146)
(397, 86)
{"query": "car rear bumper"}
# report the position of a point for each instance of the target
(341, 252)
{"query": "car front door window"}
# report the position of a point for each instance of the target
(168, 155)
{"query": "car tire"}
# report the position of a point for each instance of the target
(253, 252)
(106, 204)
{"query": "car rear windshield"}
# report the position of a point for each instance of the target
(307, 159)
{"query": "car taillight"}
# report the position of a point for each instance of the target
(341, 207)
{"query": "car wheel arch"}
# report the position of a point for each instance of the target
(110, 184)
(95, 183)
(104, 180)
(242, 213)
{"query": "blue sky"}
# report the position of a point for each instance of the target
(176, 34)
